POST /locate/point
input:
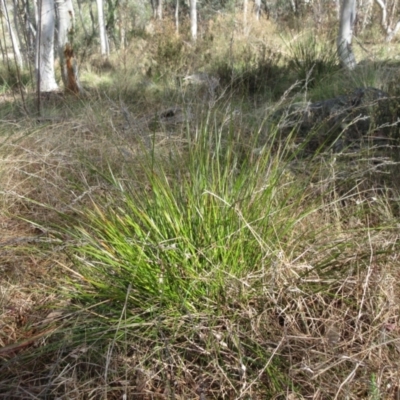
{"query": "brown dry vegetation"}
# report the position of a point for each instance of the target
(316, 318)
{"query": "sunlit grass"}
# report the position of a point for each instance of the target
(182, 234)
(215, 255)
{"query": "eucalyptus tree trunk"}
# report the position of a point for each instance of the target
(344, 47)
(44, 64)
(13, 37)
(29, 27)
(193, 19)
(159, 9)
(245, 8)
(257, 8)
(177, 17)
(104, 49)
(386, 21)
(154, 7)
(92, 19)
(111, 20)
(69, 69)
(20, 29)
(37, 4)
(365, 13)
(122, 10)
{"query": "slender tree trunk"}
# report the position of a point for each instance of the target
(3, 54)
(82, 20)
(24, 19)
(337, 7)
(122, 23)
(19, 29)
(104, 50)
(245, 8)
(30, 30)
(14, 39)
(36, 6)
(69, 69)
(160, 9)
(365, 8)
(177, 17)
(257, 8)
(193, 19)
(347, 19)
(92, 19)
(45, 47)
(157, 7)
(385, 23)
(111, 22)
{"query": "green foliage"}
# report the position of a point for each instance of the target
(179, 239)
(10, 79)
(374, 389)
(312, 59)
(380, 74)
(169, 54)
(169, 51)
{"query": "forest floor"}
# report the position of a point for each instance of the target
(164, 239)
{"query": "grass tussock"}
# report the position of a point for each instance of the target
(162, 239)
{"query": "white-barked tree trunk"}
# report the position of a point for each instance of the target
(257, 8)
(385, 20)
(245, 8)
(159, 9)
(45, 47)
(177, 17)
(14, 38)
(344, 47)
(104, 48)
(193, 19)
(69, 69)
